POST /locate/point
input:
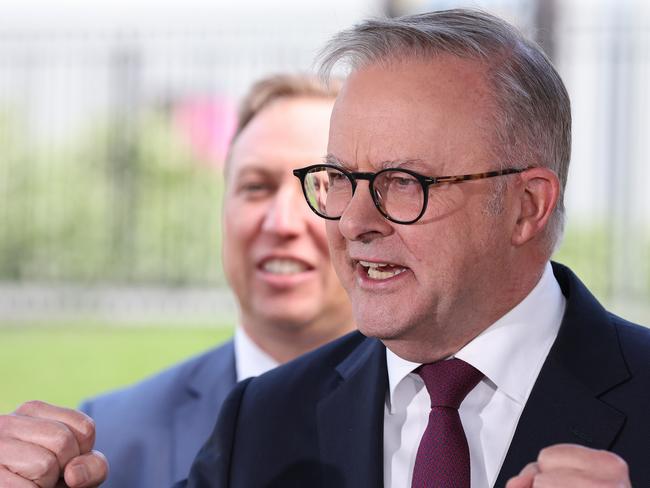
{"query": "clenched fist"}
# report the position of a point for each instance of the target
(573, 466)
(44, 446)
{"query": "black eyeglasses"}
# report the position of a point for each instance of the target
(401, 195)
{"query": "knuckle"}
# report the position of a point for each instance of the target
(618, 464)
(86, 427)
(45, 465)
(30, 407)
(5, 421)
(62, 441)
(610, 462)
(545, 453)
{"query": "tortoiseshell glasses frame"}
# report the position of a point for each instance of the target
(404, 178)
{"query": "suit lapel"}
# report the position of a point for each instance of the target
(193, 418)
(564, 405)
(350, 420)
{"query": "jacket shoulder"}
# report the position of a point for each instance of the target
(635, 344)
(311, 371)
(158, 394)
(150, 431)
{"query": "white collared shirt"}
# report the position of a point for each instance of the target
(250, 360)
(510, 354)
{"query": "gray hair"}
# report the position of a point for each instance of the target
(533, 115)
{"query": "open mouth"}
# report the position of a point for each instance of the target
(284, 266)
(381, 271)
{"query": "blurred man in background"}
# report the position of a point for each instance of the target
(277, 263)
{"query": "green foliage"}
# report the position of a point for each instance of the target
(585, 249)
(592, 252)
(64, 363)
(112, 204)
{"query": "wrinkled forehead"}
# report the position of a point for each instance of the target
(413, 109)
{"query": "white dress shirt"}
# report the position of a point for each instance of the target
(510, 354)
(250, 360)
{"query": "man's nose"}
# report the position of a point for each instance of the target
(285, 215)
(361, 219)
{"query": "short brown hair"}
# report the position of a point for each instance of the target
(272, 88)
(267, 90)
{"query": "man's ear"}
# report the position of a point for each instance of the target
(538, 193)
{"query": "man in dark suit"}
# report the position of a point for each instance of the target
(277, 263)
(478, 363)
(594, 395)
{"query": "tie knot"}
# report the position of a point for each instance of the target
(448, 382)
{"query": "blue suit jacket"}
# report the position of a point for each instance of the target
(318, 421)
(151, 432)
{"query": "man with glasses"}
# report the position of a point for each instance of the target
(442, 188)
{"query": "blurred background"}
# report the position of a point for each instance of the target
(114, 121)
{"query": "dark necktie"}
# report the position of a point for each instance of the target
(442, 460)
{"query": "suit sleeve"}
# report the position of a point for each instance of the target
(86, 407)
(211, 467)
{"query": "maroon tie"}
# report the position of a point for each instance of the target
(443, 455)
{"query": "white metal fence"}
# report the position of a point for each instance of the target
(99, 183)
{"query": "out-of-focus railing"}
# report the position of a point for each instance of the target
(111, 143)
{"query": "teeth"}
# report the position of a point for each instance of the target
(283, 266)
(376, 274)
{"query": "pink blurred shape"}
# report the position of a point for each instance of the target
(207, 125)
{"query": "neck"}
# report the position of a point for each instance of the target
(286, 341)
(444, 337)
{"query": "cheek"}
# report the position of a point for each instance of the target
(335, 239)
(232, 255)
(328, 255)
(239, 230)
(318, 234)
(337, 249)
(436, 249)
(443, 202)
(453, 249)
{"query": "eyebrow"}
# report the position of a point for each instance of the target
(255, 169)
(333, 160)
(397, 163)
(400, 162)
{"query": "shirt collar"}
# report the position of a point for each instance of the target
(250, 360)
(523, 336)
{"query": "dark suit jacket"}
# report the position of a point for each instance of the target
(151, 432)
(318, 421)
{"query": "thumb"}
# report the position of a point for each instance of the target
(86, 471)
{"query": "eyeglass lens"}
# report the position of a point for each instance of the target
(397, 194)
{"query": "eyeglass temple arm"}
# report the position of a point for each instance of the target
(475, 176)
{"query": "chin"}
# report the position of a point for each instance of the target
(381, 329)
(287, 317)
